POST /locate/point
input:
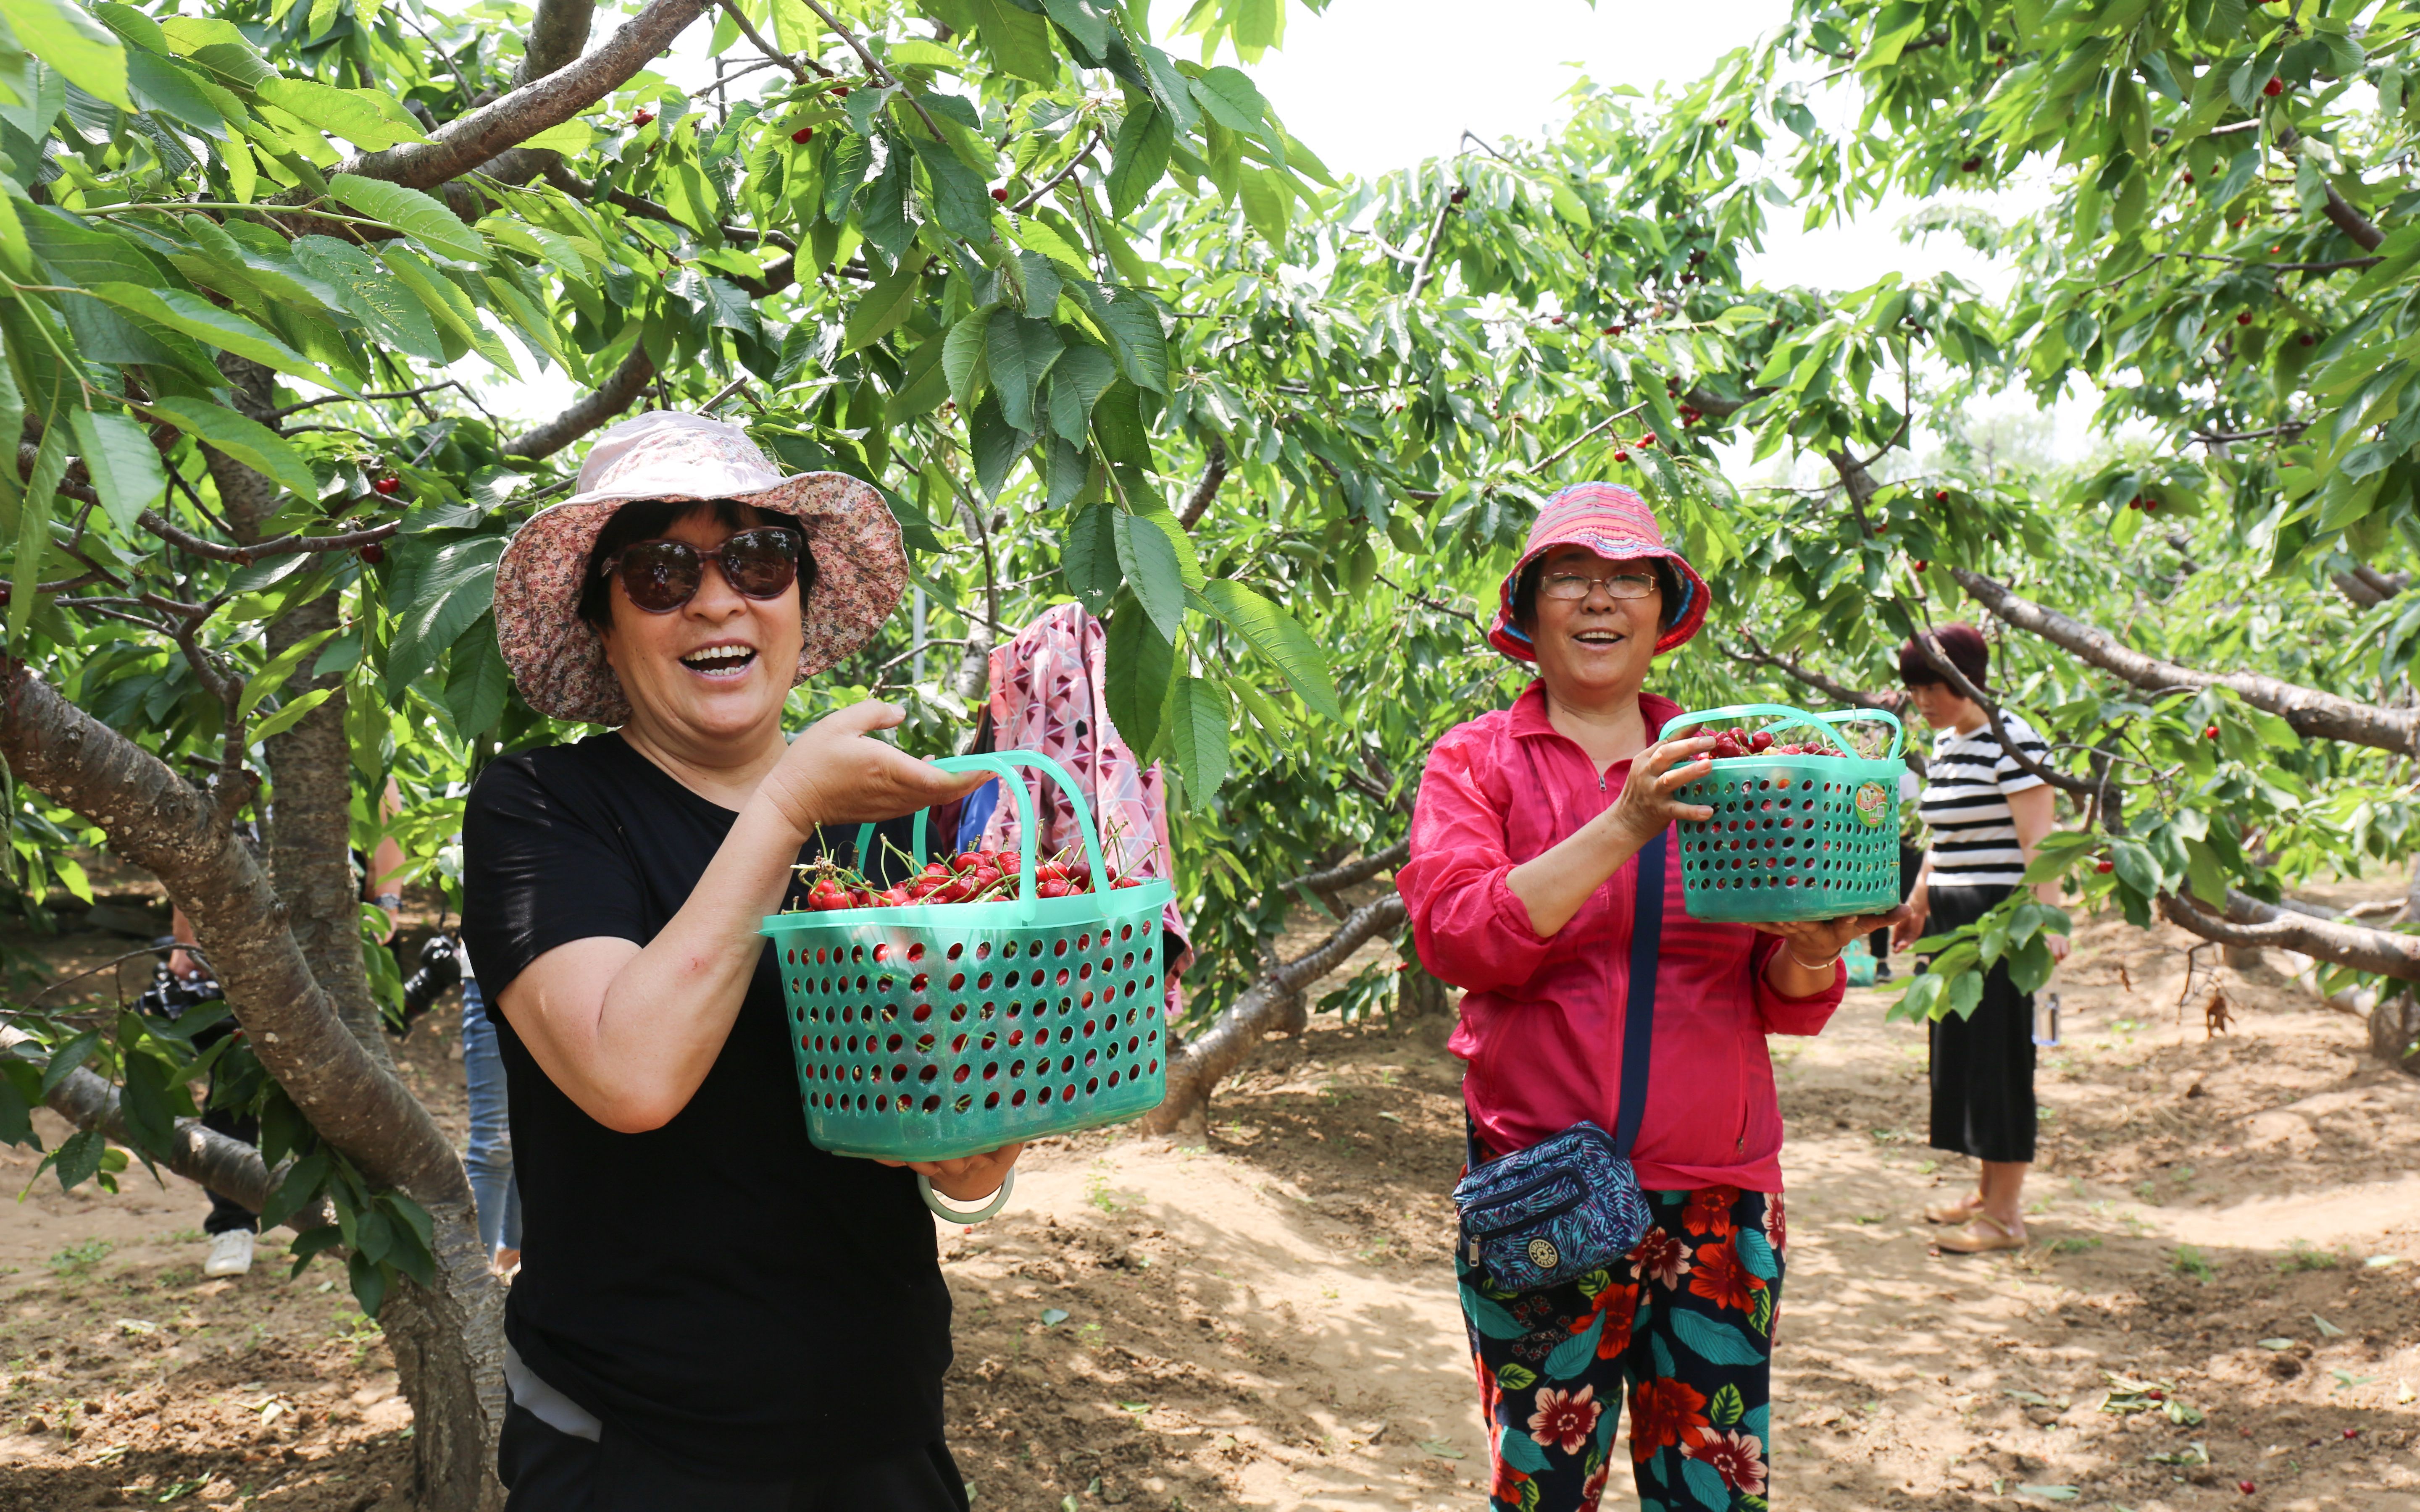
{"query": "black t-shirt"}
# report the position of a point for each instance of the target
(743, 1303)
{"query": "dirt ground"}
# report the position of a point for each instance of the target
(2229, 1220)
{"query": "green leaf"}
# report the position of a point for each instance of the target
(881, 308)
(273, 674)
(143, 1099)
(1088, 26)
(1017, 40)
(124, 464)
(1230, 99)
(65, 38)
(34, 533)
(66, 1058)
(962, 356)
(1274, 634)
(1198, 738)
(1089, 557)
(2135, 867)
(1572, 1357)
(204, 321)
(454, 583)
(476, 680)
(1140, 662)
(1271, 717)
(290, 714)
(1138, 158)
(1148, 559)
(962, 201)
(422, 217)
(1020, 351)
(365, 117)
(78, 1157)
(248, 441)
(371, 293)
(1131, 322)
(1726, 1408)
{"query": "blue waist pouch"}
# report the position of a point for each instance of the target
(1570, 1204)
(1551, 1212)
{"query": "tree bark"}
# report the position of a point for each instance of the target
(1196, 1068)
(310, 762)
(2249, 921)
(557, 35)
(1205, 488)
(2308, 711)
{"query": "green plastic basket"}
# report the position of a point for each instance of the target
(1793, 836)
(935, 1030)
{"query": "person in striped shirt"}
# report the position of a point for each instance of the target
(1987, 812)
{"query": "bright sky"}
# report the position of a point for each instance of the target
(1363, 86)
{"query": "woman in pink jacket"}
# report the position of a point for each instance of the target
(1521, 888)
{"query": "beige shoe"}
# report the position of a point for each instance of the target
(1955, 1212)
(1980, 1236)
(230, 1253)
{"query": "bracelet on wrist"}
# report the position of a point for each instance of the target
(1819, 965)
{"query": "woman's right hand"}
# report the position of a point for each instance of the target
(1911, 929)
(836, 773)
(1646, 806)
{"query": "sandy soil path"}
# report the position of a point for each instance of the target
(2231, 1220)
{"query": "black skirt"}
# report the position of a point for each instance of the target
(1982, 1066)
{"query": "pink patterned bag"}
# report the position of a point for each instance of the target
(1047, 695)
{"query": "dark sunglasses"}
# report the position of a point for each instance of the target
(661, 576)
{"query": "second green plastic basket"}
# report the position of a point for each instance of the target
(935, 1030)
(1793, 836)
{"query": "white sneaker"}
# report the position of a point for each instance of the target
(230, 1253)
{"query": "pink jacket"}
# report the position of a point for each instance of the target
(1542, 1025)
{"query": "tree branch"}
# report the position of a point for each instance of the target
(585, 414)
(1059, 177)
(284, 545)
(1427, 268)
(875, 70)
(1196, 1068)
(469, 140)
(756, 39)
(557, 35)
(1930, 645)
(1205, 488)
(156, 821)
(2308, 711)
(2249, 921)
(203, 1156)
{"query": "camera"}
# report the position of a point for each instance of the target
(171, 996)
(441, 968)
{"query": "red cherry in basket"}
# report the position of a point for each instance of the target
(1760, 741)
(1054, 889)
(1127, 882)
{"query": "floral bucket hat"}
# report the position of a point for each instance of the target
(557, 659)
(1616, 524)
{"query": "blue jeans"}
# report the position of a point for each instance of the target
(490, 1159)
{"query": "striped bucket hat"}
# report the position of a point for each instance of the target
(1616, 524)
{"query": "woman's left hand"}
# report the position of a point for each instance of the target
(969, 1178)
(1821, 939)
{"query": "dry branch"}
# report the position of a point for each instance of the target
(2249, 921)
(2307, 710)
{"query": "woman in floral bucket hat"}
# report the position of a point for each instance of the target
(710, 1311)
(1522, 886)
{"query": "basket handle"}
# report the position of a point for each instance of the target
(1741, 711)
(1898, 730)
(1005, 763)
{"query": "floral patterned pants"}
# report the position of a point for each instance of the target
(1684, 1321)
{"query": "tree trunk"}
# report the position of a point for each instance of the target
(159, 822)
(1196, 1068)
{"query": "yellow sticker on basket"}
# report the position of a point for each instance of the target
(1873, 805)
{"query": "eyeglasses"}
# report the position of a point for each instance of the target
(1572, 585)
(661, 576)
